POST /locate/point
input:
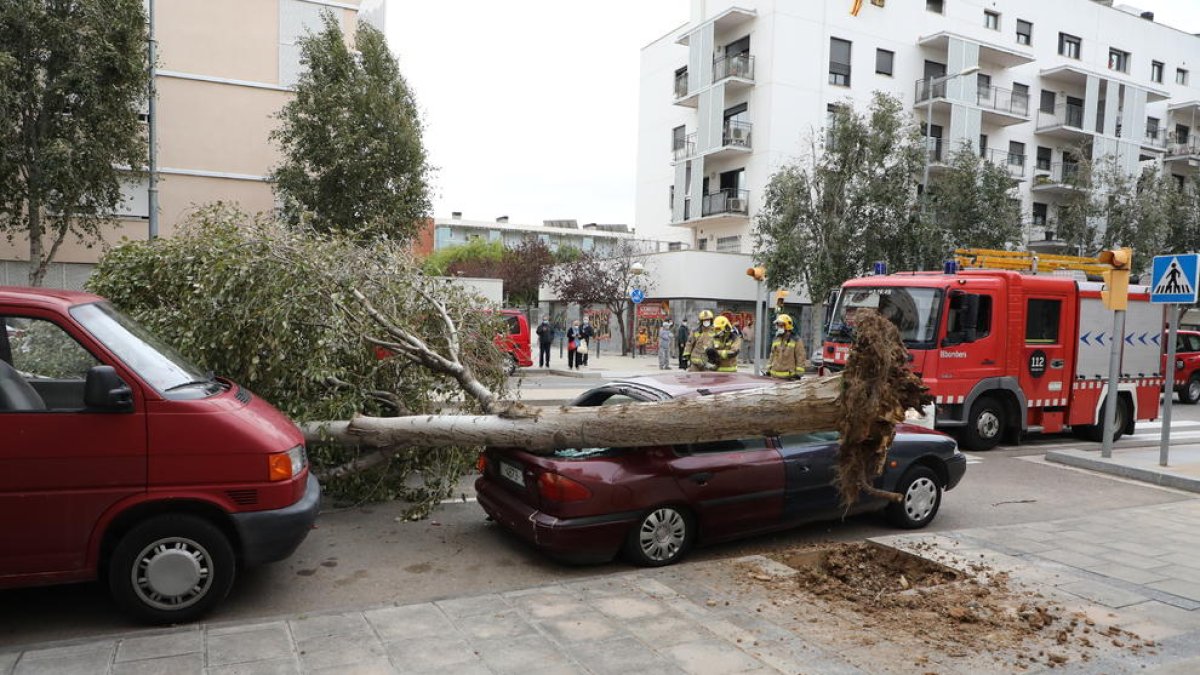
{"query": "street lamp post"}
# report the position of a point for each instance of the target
(637, 270)
(933, 82)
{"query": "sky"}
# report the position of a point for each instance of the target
(530, 106)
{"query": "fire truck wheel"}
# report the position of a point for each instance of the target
(1190, 393)
(1095, 432)
(985, 426)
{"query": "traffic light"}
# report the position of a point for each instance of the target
(757, 273)
(780, 296)
(1116, 280)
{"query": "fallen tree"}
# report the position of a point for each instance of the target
(864, 403)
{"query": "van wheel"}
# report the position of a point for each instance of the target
(922, 497)
(1190, 393)
(661, 537)
(510, 364)
(1095, 432)
(985, 426)
(171, 569)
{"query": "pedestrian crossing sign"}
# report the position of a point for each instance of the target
(1174, 278)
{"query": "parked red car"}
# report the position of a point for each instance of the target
(122, 461)
(653, 504)
(1187, 365)
(516, 342)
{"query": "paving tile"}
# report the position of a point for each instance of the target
(473, 606)
(1138, 547)
(655, 588)
(282, 666)
(1180, 587)
(227, 628)
(587, 627)
(1141, 562)
(515, 656)
(622, 655)
(263, 644)
(185, 664)
(76, 659)
(431, 653)
(1071, 558)
(710, 658)
(1102, 593)
(507, 623)
(550, 606)
(398, 623)
(476, 668)
(1131, 574)
(353, 623)
(630, 608)
(668, 630)
(7, 661)
(1086, 548)
(376, 666)
(328, 651)
(155, 646)
(91, 648)
(1186, 667)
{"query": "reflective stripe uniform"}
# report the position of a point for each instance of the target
(728, 348)
(787, 358)
(698, 342)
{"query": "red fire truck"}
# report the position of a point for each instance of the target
(1005, 353)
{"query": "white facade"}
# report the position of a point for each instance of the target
(750, 83)
(456, 231)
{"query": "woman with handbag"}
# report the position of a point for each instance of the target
(574, 339)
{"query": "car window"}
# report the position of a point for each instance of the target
(811, 437)
(1193, 343)
(605, 397)
(41, 350)
(723, 446)
(514, 325)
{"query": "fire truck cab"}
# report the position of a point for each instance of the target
(1005, 353)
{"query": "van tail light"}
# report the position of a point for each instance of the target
(556, 488)
(286, 465)
(481, 464)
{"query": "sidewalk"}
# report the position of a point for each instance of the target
(1141, 463)
(614, 366)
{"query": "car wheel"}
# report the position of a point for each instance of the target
(1190, 393)
(922, 496)
(1095, 432)
(985, 426)
(171, 569)
(661, 537)
(511, 365)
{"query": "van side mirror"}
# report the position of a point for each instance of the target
(105, 391)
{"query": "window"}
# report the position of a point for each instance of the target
(839, 62)
(702, 244)
(1043, 159)
(723, 446)
(983, 145)
(1069, 45)
(1024, 32)
(1156, 71)
(1039, 214)
(1048, 101)
(1152, 128)
(991, 20)
(677, 137)
(883, 61)
(732, 244)
(935, 6)
(1182, 132)
(1181, 76)
(1020, 97)
(1016, 153)
(983, 322)
(52, 365)
(1118, 60)
(1041, 322)
(983, 86)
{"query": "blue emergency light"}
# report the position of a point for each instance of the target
(879, 267)
(950, 267)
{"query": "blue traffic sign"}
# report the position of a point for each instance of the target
(1174, 278)
(637, 295)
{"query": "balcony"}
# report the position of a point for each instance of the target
(936, 155)
(1065, 122)
(1061, 179)
(1183, 150)
(735, 139)
(1154, 140)
(726, 207)
(1012, 163)
(1002, 107)
(685, 148)
(684, 97)
(993, 54)
(739, 69)
(927, 88)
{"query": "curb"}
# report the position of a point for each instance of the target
(1071, 458)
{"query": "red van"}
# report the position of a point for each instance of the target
(516, 342)
(121, 461)
(1187, 365)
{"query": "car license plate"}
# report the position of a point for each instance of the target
(512, 473)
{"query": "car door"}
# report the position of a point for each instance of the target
(810, 465)
(735, 487)
(61, 465)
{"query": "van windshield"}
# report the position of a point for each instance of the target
(914, 311)
(153, 360)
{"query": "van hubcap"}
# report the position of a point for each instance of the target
(1194, 389)
(172, 573)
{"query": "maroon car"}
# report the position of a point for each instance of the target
(653, 504)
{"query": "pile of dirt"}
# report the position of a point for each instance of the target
(935, 610)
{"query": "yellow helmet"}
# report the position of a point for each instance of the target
(721, 324)
(785, 321)
(706, 315)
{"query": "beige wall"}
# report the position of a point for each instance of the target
(217, 127)
(236, 39)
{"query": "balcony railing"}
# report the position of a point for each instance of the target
(736, 134)
(1011, 162)
(934, 150)
(738, 65)
(729, 200)
(683, 148)
(1155, 138)
(1002, 101)
(926, 89)
(681, 84)
(1063, 115)
(1061, 173)
(1185, 146)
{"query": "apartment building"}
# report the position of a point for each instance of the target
(1032, 86)
(225, 68)
(590, 238)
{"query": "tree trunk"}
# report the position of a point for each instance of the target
(37, 270)
(620, 314)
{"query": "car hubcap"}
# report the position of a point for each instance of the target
(988, 424)
(920, 498)
(662, 534)
(172, 573)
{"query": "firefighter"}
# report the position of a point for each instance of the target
(787, 353)
(727, 344)
(698, 342)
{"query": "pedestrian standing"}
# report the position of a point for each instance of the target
(586, 333)
(681, 340)
(747, 333)
(545, 336)
(664, 346)
(573, 336)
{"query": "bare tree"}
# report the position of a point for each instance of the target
(604, 280)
